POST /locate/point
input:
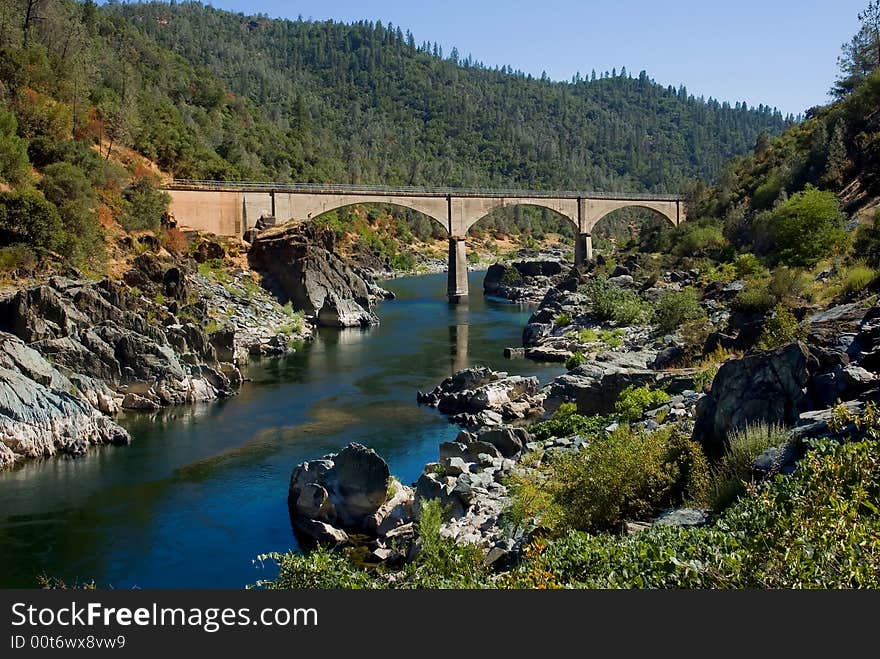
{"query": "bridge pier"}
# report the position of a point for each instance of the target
(583, 248)
(457, 281)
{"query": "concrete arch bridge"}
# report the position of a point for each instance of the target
(231, 208)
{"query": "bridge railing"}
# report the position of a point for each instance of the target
(333, 188)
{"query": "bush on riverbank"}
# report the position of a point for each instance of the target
(819, 528)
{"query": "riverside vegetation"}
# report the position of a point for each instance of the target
(728, 439)
(717, 426)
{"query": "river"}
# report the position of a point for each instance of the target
(202, 490)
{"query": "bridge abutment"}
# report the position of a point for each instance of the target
(457, 281)
(583, 248)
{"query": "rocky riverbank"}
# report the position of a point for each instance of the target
(172, 330)
(644, 376)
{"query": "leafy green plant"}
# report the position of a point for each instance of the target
(856, 277)
(625, 475)
(611, 302)
(442, 562)
(818, 528)
(781, 329)
(674, 308)
(587, 335)
(612, 338)
(805, 228)
(575, 360)
(634, 401)
(567, 422)
(563, 320)
(321, 569)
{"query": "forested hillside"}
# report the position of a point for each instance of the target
(93, 99)
(363, 103)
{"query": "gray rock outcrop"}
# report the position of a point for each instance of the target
(770, 387)
(301, 262)
(43, 413)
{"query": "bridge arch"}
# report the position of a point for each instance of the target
(305, 207)
(467, 211)
(596, 209)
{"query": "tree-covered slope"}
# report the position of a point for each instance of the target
(364, 103)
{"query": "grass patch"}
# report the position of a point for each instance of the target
(734, 472)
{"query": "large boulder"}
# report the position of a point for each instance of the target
(349, 491)
(767, 386)
(299, 259)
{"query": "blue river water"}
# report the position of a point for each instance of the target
(202, 490)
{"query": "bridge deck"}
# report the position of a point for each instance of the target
(407, 191)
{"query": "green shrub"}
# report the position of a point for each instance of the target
(781, 329)
(575, 360)
(755, 297)
(442, 562)
(856, 278)
(567, 422)
(734, 470)
(14, 165)
(64, 182)
(611, 302)
(612, 338)
(634, 401)
(699, 238)
(145, 205)
(818, 528)
(625, 475)
(18, 258)
(26, 218)
(748, 265)
(563, 320)
(674, 308)
(805, 228)
(587, 336)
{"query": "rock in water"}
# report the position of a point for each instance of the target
(299, 258)
(348, 491)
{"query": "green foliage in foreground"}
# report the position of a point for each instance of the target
(819, 528)
(441, 563)
(626, 475)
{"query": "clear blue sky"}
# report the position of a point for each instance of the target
(781, 53)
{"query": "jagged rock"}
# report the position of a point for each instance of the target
(41, 412)
(396, 511)
(479, 395)
(343, 489)
(508, 441)
(766, 387)
(319, 532)
(432, 486)
(301, 262)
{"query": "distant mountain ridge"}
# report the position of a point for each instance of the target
(362, 103)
